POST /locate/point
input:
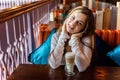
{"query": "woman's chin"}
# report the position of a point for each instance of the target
(70, 32)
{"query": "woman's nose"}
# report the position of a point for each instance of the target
(73, 23)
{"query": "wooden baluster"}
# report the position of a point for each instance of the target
(12, 3)
(4, 47)
(10, 64)
(16, 45)
(25, 36)
(1, 5)
(35, 17)
(4, 2)
(19, 37)
(36, 25)
(1, 58)
(45, 18)
(38, 17)
(13, 42)
(29, 29)
(39, 14)
(34, 28)
(21, 46)
(4, 71)
(15, 51)
(0, 70)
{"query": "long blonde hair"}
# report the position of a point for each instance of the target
(90, 24)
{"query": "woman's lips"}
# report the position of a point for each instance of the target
(70, 27)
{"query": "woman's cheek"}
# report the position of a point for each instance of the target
(67, 28)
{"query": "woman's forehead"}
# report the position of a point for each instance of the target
(78, 13)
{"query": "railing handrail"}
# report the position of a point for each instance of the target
(8, 13)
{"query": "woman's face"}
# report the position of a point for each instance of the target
(75, 22)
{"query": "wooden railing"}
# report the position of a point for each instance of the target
(19, 28)
(5, 4)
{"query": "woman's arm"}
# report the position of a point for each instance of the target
(82, 53)
(57, 49)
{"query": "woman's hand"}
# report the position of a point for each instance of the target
(76, 35)
(64, 34)
(74, 40)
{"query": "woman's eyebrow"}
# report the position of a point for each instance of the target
(82, 21)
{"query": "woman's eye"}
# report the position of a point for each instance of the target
(79, 23)
(72, 18)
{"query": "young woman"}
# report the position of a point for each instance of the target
(76, 35)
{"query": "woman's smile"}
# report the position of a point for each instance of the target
(71, 27)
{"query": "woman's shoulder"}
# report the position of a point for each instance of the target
(88, 38)
(56, 34)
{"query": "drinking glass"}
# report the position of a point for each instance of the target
(69, 66)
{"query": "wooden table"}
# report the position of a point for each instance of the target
(44, 72)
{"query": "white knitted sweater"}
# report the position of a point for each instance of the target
(82, 53)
